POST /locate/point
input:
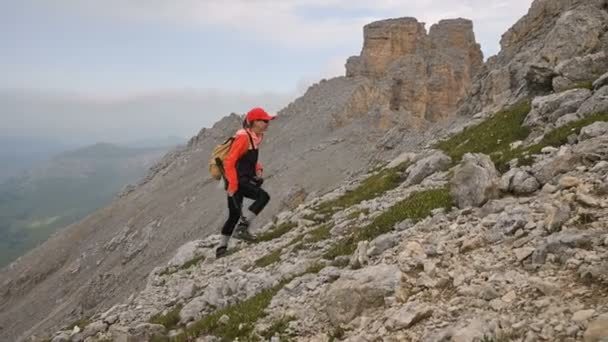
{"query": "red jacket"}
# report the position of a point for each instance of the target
(239, 147)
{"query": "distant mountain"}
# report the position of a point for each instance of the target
(65, 189)
(160, 142)
(21, 153)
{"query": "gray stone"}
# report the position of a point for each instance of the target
(519, 182)
(556, 215)
(596, 129)
(94, 328)
(523, 253)
(510, 221)
(407, 316)
(382, 243)
(597, 331)
(547, 109)
(547, 288)
(601, 81)
(359, 257)
(186, 252)
(406, 157)
(580, 69)
(475, 181)
(356, 291)
(582, 315)
(61, 337)
(427, 166)
(598, 103)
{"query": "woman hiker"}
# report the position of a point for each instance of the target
(243, 174)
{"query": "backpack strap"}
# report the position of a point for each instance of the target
(250, 140)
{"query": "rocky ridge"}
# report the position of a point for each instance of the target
(437, 245)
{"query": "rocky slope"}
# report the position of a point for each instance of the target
(496, 233)
(331, 133)
(435, 246)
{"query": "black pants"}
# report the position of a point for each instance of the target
(249, 189)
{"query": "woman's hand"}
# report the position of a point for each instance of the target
(230, 193)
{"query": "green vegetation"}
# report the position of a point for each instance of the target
(242, 316)
(556, 138)
(269, 259)
(416, 207)
(355, 214)
(372, 187)
(582, 85)
(169, 320)
(185, 266)
(278, 328)
(276, 232)
(493, 136)
(37, 204)
(81, 323)
(318, 234)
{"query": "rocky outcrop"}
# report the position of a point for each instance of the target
(420, 76)
(534, 53)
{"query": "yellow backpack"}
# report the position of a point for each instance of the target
(220, 152)
(216, 168)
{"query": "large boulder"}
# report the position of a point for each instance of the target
(519, 182)
(475, 181)
(597, 331)
(598, 103)
(547, 109)
(580, 69)
(356, 291)
(601, 81)
(594, 130)
(587, 152)
(437, 161)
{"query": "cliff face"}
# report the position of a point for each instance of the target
(416, 76)
(557, 45)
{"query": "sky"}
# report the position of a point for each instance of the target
(124, 70)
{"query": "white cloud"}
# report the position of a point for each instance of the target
(284, 21)
(82, 118)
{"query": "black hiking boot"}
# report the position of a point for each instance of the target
(242, 232)
(221, 251)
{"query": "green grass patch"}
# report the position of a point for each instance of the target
(555, 138)
(416, 207)
(320, 233)
(355, 214)
(492, 137)
(278, 328)
(371, 187)
(276, 231)
(582, 85)
(269, 259)
(185, 266)
(81, 323)
(168, 320)
(242, 316)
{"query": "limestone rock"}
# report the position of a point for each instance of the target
(357, 291)
(425, 167)
(475, 181)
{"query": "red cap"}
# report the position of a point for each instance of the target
(258, 114)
